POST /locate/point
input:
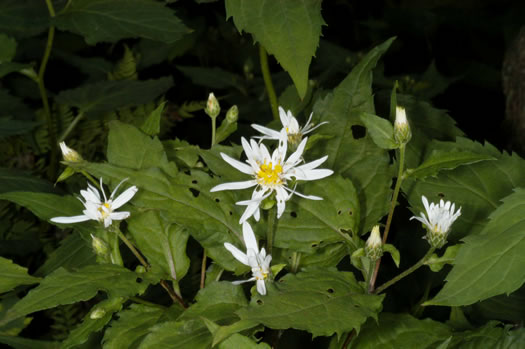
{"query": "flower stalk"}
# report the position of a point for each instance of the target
(263, 57)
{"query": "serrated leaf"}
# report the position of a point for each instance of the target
(401, 331)
(163, 243)
(381, 131)
(484, 337)
(12, 275)
(306, 222)
(503, 307)
(289, 30)
(440, 160)
(489, 263)
(81, 285)
(240, 341)
(301, 300)
(100, 97)
(133, 324)
(478, 187)
(23, 18)
(191, 334)
(112, 20)
(91, 324)
(355, 156)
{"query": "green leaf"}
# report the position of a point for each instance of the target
(96, 98)
(163, 243)
(7, 48)
(11, 106)
(300, 300)
(436, 263)
(12, 179)
(401, 331)
(213, 78)
(26, 343)
(131, 148)
(240, 341)
(190, 334)
(132, 324)
(503, 307)
(81, 285)
(12, 275)
(112, 20)
(478, 187)
(226, 129)
(151, 125)
(483, 337)
(289, 30)
(381, 131)
(23, 18)
(310, 222)
(446, 160)
(92, 323)
(73, 253)
(354, 156)
(486, 265)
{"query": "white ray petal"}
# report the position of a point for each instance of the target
(261, 287)
(240, 256)
(124, 197)
(118, 216)
(237, 164)
(249, 237)
(271, 134)
(234, 185)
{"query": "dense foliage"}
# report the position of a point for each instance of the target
(143, 255)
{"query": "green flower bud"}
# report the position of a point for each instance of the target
(374, 245)
(402, 133)
(99, 246)
(212, 106)
(69, 154)
(232, 115)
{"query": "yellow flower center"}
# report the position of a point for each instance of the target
(269, 174)
(264, 276)
(103, 212)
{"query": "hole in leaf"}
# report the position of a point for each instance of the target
(139, 280)
(231, 213)
(187, 172)
(330, 290)
(314, 245)
(441, 195)
(194, 181)
(195, 192)
(350, 212)
(293, 214)
(281, 281)
(217, 200)
(260, 302)
(339, 212)
(358, 131)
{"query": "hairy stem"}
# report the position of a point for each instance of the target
(406, 272)
(263, 57)
(393, 204)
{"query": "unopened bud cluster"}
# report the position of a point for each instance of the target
(374, 245)
(402, 132)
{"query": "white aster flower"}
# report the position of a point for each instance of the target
(438, 220)
(290, 125)
(98, 210)
(255, 259)
(69, 154)
(271, 174)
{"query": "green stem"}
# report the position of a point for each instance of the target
(272, 214)
(131, 247)
(406, 272)
(50, 119)
(116, 257)
(213, 127)
(296, 261)
(263, 56)
(393, 204)
(203, 269)
(70, 127)
(91, 179)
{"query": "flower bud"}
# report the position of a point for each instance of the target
(69, 154)
(212, 106)
(99, 246)
(232, 115)
(97, 313)
(402, 133)
(374, 244)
